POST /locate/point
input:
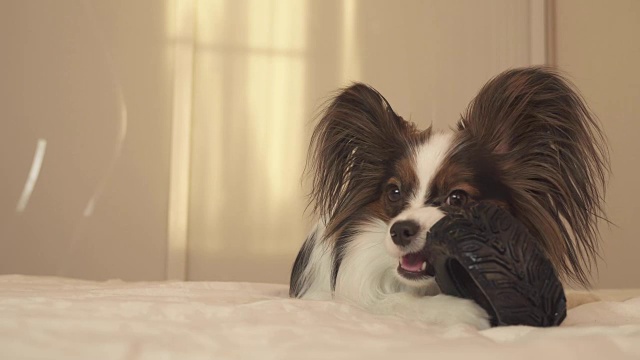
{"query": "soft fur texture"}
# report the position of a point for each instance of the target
(527, 143)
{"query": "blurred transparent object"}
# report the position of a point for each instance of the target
(63, 129)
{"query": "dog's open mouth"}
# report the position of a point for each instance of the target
(415, 266)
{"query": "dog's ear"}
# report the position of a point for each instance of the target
(552, 154)
(351, 147)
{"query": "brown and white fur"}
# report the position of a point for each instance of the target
(527, 143)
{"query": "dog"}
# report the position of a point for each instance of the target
(527, 143)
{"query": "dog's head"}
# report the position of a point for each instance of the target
(527, 143)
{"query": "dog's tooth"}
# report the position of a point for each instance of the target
(424, 265)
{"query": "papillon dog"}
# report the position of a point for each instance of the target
(527, 143)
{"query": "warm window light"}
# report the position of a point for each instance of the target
(246, 77)
(249, 119)
(248, 112)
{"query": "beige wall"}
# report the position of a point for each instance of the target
(93, 80)
(598, 44)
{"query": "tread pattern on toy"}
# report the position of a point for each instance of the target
(483, 253)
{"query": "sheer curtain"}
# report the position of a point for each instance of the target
(248, 138)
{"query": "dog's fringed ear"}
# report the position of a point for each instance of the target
(351, 147)
(553, 154)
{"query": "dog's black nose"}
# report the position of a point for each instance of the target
(403, 232)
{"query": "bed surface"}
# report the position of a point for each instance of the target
(54, 318)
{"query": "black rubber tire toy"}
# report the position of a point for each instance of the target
(483, 253)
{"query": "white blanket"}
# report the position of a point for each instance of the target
(53, 318)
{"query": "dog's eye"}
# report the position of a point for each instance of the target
(393, 193)
(457, 198)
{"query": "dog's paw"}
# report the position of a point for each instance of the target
(439, 309)
(455, 311)
(577, 298)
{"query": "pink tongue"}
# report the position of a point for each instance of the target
(412, 262)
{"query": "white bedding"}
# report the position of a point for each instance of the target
(53, 318)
